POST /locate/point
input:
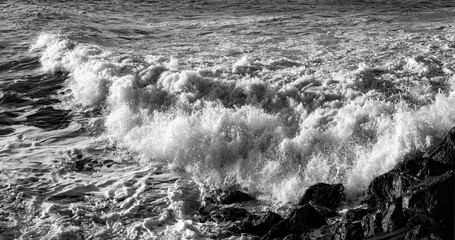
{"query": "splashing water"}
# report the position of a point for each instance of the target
(123, 121)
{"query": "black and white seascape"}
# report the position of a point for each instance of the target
(227, 119)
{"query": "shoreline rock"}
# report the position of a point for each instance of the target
(415, 200)
(300, 221)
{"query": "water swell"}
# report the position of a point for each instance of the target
(246, 124)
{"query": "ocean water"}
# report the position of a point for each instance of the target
(118, 117)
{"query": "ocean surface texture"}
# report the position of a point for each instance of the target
(118, 117)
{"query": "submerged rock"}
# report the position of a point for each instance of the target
(300, 220)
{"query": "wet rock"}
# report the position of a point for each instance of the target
(372, 224)
(229, 214)
(421, 167)
(412, 163)
(262, 225)
(326, 232)
(235, 196)
(420, 219)
(349, 230)
(422, 232)
(292, 237)
(432, 168)
(323, 194)
(355, 214)
(300, 220)
(325, 211)
(351, 225)
(393, 218)
(433, 197)
(444, 152)
(250, 237)
(413, 201)
(399, 234)
(387, 187)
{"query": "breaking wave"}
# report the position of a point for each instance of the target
(266, 124)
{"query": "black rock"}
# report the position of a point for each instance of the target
(229, 214)
(300, 220)
(412, 163)
(393, 219)
(261, 226)
(398, 234)
(421, 219)
(235, 196)
(372, 224)
(355, 214)
(251, 238)
(323, 194)
(432, 168)
(325, 211)
(444, 152)
(349, 231)
(292, 237)
(421, 167)
(422, 232)
(351, 225)
(387, 187)
(434, 197)
(326, 232)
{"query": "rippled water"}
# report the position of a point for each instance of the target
(117, 117)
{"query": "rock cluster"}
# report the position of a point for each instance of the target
(415, 200)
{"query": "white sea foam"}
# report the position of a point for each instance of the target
(233, 127)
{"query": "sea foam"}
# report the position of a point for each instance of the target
(230, 125)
